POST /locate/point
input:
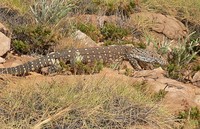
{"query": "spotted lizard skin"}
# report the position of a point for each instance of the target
(88, 55)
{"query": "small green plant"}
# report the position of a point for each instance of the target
(64, 66)
(196, 68)
(20, 47)
(161, 47)
(174, 71)
(98, 66)
(160, 95)
(81, 68)
(141, 45)
(50, 12)
(191, 116)
(128, 72)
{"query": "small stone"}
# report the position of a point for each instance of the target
(2, 60)
(196, 79)
(45, 70)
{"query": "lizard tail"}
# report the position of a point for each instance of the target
(23, 69)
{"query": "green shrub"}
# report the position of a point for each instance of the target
(33, 39)
(113, 32)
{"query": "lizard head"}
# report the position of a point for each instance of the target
(147, 56)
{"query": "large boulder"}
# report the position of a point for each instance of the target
(4, 44)
(163, 25)
(4, 40)
(179, 95)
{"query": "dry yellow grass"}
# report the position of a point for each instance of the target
(78, 102)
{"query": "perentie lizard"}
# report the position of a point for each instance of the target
(88, 55)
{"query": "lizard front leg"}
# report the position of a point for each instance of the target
(134, 63)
